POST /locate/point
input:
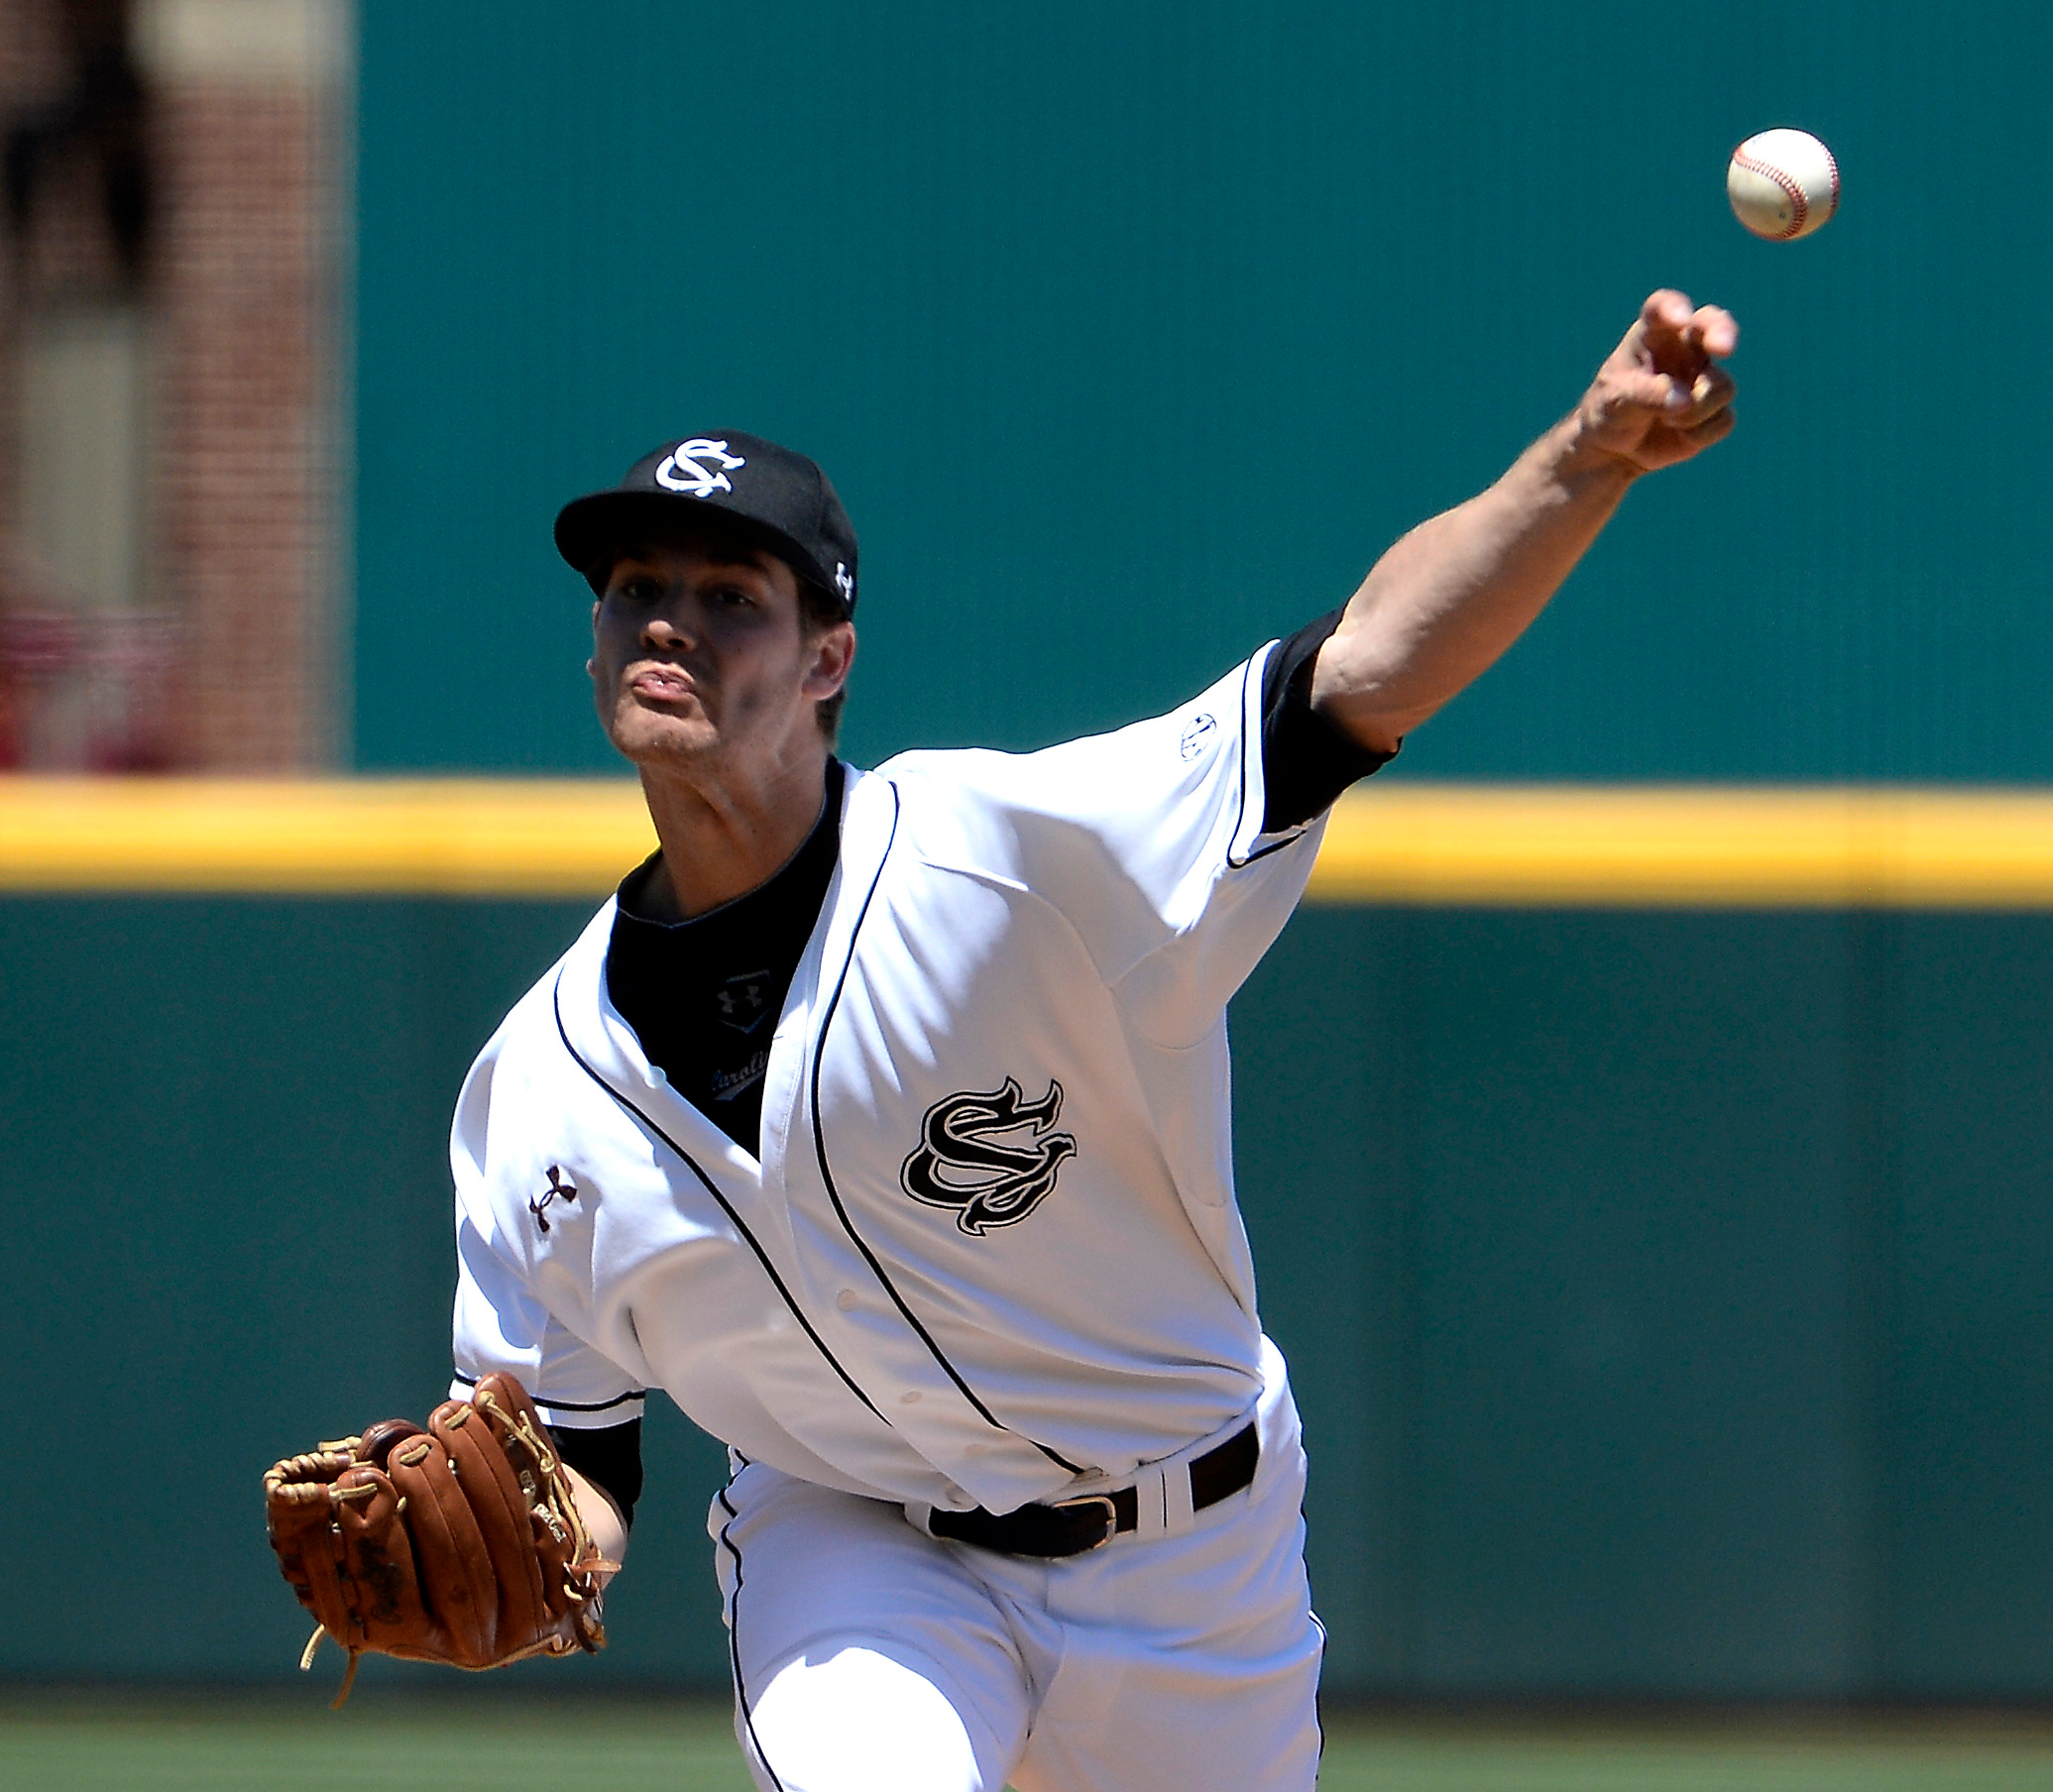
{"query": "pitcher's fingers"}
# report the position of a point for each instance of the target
(1665, 317)
(1644, 388)
(1714, 428)
(1714, 330)
(1711, 392)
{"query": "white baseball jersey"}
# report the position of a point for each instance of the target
(991, 1244)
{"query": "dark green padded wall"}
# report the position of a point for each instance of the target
(1668, 1296)
(224, 1125)
(1614, 1238)
(1132, 331)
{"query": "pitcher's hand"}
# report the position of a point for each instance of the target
(1661, 397)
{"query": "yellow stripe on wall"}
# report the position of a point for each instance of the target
(1689, 846)
(1436, 845)
(435, 837)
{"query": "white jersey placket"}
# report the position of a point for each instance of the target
(852, 1296)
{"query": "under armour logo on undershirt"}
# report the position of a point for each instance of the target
(993, 1182)
(560, 1188)
(744, 1000)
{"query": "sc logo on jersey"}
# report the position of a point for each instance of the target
(680, 470)
(967, 1163)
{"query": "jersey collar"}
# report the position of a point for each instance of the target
(597, 1033)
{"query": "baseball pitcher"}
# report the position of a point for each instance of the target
(881, 1121)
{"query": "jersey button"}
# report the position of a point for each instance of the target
(846, 1301)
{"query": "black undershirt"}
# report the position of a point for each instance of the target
(704, 995)
(1305, 760)
(610, 1457)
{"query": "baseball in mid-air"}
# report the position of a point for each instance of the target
(1783, 184)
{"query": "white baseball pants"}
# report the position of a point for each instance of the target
(872, 1657)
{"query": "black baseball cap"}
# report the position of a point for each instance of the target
(769, 495)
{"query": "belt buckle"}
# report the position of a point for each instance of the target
(1112, 1515)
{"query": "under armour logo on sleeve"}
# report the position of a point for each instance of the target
(560, 1188)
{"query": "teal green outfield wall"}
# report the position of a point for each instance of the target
(1132, 331)
(1669, 1295)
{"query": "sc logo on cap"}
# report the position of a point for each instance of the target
(680, 470)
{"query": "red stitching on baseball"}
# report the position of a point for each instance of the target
(1787, 182)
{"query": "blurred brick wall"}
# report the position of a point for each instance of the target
(228, 658)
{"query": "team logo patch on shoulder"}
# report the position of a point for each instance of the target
(1198, 736)
(991, 1156)
(681, 472)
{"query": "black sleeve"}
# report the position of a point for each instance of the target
(1305, 760)
(610, 1457)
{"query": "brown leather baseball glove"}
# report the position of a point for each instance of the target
(459, 1543)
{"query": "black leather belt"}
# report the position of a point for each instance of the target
(1071, 1527)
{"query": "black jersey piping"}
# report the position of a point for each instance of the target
(712, 1188)
(1318, 1721)
(565, 1405)
(1272, 846)
(1240, 814)
(833, 1194)
(733, 1636)
(1291, 839)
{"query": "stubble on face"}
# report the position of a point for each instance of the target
(708, 677)
(699, 660)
